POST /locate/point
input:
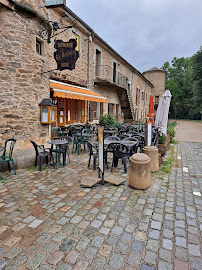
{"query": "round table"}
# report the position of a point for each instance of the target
(58, 144)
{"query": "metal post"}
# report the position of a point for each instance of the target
(88, 70)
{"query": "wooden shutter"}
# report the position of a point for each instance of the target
(91, 111)
(117, 112)
(101, 108)
(109, 107)
(82, 111)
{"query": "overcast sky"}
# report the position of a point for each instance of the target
(146, 33)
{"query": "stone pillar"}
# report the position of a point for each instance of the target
(139, 171)
(152, 152)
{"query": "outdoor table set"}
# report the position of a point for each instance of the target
(58, 150)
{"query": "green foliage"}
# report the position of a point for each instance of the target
(167, 164)
(171, 131)
(162, 139)
(107, 120)
(183, 79)
(3, 180)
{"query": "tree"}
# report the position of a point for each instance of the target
(197, 75)
(179, 80)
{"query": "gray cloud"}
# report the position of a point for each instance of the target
(146, 33)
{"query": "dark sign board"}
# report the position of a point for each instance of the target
(55, 3)
(66, 55)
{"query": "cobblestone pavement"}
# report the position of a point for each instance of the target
(47, 221)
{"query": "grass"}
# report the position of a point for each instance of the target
(33, 168)
(167, 164)
(3, 180)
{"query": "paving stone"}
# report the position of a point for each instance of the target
(116, 261)
(82, 243)
(49, 247)
(164, 265)
(195, 263)
(180, 232)
(180, 241)
(134, 259)
(12, 253)
(168, 233)
(35, 261)
(152, 245)
(63, 266)
(97, 241)
(181, 253)
(66, 245)
(150, 257)
(167, 244)
(137, 246)
(55, 257)
(96, 223)
(45, 267)
(147, 267)
(121, 248)
(43, 238)
(126, 237)
(117, 230)
(2, 264)
(165, 255)
(90, 253)
(81, 265)
(181, 265)
(194, 250)
(156, 225)
(112, 240)
(154, 234)
(104, 230)
(98, 263)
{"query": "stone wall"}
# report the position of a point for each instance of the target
(157, 78)
(22, 86)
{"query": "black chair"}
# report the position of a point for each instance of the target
(66, 146)
(121, 137)
(112, 138)
(131, 133)
(91, 147)
(7, 153)
(42, 152)
(120, 151)
(132, 150)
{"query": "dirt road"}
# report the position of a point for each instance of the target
(189, 131)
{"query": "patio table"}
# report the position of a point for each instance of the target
(58, 144)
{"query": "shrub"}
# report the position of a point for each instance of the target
(108, 120)
(171, 131)
(162, 139)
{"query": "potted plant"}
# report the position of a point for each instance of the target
(162, 144)
(108, 120)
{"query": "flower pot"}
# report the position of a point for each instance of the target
(163, 148)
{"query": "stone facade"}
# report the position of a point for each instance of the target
(25, 75)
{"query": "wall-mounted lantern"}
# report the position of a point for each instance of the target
(48, 111)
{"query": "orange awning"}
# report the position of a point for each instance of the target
(64, 90)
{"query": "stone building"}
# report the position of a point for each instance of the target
(102, 81)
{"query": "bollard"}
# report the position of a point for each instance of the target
(139, 171)
(152, 152)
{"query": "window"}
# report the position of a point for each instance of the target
(98, 63)
(156, 99)
(142, 95)
(129, 87)
(74, 110)
(146, 96)
(39, 47)
(77, 37)
(114, 72)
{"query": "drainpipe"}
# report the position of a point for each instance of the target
(88, 70)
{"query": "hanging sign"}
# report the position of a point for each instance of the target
(66, 55)
(55, 3)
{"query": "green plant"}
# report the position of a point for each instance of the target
(167, 164)
(162, 139)
(174, 141)
(171, 131)
(108, 120)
